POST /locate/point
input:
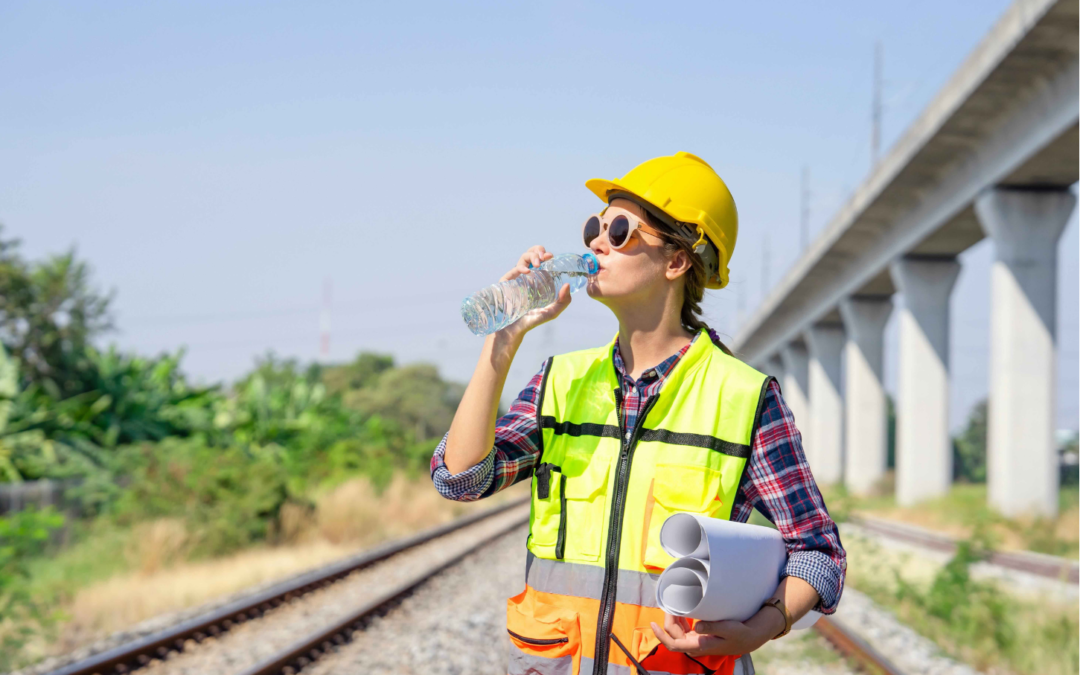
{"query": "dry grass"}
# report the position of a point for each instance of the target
(126, 600)
(157, 544)
(353, 512)
(349, 518)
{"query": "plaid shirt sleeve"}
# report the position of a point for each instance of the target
(517, 443)
(779, 484)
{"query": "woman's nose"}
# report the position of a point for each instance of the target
(596, 246)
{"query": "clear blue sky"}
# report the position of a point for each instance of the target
(216, 162)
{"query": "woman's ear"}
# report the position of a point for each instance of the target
(678, 265)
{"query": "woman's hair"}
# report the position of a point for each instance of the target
(694, 290)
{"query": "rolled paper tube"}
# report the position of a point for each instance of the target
(682, 537)
(723, 570)
(684, 585)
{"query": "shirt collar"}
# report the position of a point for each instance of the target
(661, 371)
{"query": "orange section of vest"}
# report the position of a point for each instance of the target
(549, 625)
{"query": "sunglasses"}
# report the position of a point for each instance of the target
(618, 230)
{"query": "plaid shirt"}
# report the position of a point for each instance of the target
(777, 479)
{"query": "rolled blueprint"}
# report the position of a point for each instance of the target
(722, 570)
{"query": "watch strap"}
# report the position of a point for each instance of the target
(779, 604)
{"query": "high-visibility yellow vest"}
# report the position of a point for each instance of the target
(600, 495)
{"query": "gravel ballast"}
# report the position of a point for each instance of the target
(906, 649)
(455, 624)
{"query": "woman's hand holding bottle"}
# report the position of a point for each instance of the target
(472, 433)
(534, 256)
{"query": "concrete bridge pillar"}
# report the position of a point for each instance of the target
(1022, 463)
(774, 366)
(826, 342)
(923, 446)
(796, 386)
(865, 418)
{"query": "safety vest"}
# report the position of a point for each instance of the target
(600, 495)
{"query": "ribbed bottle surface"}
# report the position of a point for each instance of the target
(499, 305)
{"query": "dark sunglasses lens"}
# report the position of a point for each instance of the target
(592, 230)
(618, 231)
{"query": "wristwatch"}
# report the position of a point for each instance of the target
(779, 604)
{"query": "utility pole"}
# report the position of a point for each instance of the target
(804, 209)
(324, 321)
(875, 111)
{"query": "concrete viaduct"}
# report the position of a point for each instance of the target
(993, 155)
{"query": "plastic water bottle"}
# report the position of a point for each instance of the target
(499, 305)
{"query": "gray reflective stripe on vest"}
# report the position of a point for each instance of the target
(587, 581)
(744, 666)
(530, 664)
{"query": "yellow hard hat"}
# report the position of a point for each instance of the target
(688, 190)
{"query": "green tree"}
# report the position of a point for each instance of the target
(969, 447)
(890, 442)
(49, 314)
(414, 396)
(282, 403)
(363, 372)
(1069, 475)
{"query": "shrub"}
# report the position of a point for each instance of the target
(23, 536)
(969, 447)
(229, 497)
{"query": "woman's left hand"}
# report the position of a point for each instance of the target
(706, 638)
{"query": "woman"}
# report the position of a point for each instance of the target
(615, 439)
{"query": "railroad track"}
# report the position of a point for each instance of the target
(849, 643)
(134, 655)
(845, 641)
(1051, 567)
(302, 652)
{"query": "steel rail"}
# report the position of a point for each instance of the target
(854, 647)
(299, 655)
(133, 655)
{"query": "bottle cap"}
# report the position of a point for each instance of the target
(592, 263)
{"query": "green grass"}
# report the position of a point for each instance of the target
(974, 621)
(99, 552)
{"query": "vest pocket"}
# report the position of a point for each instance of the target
(644, 643)
(547, 487)
(546, 637)
(586, 510)
(675, 488)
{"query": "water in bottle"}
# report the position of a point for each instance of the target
(499, 305)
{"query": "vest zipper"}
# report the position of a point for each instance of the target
(560, 543)
(618, 505)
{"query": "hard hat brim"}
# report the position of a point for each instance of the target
(601, 187)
